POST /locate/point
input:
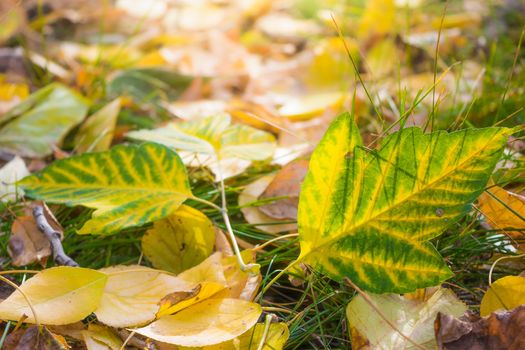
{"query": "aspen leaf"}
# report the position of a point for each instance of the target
(96, 132)
(59, 295)
(209, 322)
(368, 215)
(214, 137)
(132, 294)
(414, 317)
(128, 185)
(180, 241)
(504, 294)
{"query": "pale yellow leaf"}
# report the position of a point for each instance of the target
(98, 337)
(10, 173)
(207, 323)
(59, 295)
(276, 338)
(96, 132)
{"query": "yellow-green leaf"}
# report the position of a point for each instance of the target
(276, 338)
(180, 241)
(97, 132)
(209, 322)
(128, 185)
(132, 294)
(213, 136)
(40, 123)
(504, 294)
(59, 295)
(414, 317)
(368, 214)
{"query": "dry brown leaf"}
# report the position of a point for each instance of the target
(29, 339)
(499, 331)
(287, 183)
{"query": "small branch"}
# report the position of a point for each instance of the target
(53, 236)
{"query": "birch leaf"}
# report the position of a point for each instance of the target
(59, 295)
(368, 215)
(128, 185)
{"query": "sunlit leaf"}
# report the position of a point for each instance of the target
(42, 121)
(504, 294)
(97, 132)
(59, 295)
(132, 294)
(174, 302)
(415, 318)
(275, 339)
(180, 241)
(209, 322)
(128, 185)
(311, 105)
(367, 215)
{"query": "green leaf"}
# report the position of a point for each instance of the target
(149, 84)
(97, 132)
(59, 295)
(215, 137)
(367, 215)
(180, 241)
(41, 122)
(129, 185)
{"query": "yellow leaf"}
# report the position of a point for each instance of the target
(311, 105)
(180, 241)
(275, 340)
(132, 294)
(99, 337)
(378, 18)
(240, 284)
(504, 294)
(174, 302)
(503, 210)
(59, 295)
(97, 132)
(207, 323)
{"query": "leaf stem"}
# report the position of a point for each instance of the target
(267, 322)
(276, 278)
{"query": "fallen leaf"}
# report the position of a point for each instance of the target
(240, 284)
(499, 331)
(59, 295)
(132, 294)
(504, 210)
(287, 183)
(174, 302)
(179, 242)
(312, 105)
(98, 337)
(253, 215)
(10, 173)
(27, 243)
(209, 322)
(276, 338)
(39, 123)
(34, 338)
(96, 132)
(504, 294)
(415, 318)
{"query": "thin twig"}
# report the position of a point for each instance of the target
(370, 302)
(60, 257)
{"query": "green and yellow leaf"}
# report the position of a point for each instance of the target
(59, 296)
(209, 322)
(179, 242)
(368, 214)
(128, 185)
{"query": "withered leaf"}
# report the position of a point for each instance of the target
(499, 331)
(29, 339)
(287, 183)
